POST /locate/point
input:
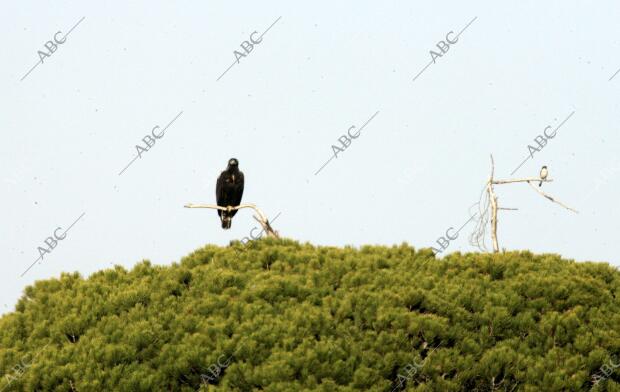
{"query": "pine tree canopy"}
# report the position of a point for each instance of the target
(277, 315)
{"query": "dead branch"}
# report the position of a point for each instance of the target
(551, 198)
(488, 207)
(535, 179)
(262, 219)
(493, 199)
(267, 227)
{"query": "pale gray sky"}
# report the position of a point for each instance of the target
(73, 123)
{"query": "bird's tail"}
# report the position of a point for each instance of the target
(226, 221)
(540, 184)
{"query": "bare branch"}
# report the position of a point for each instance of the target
(216, 207)
(535, 179)
(552, 199)
(262, 219)
(493, 200)
(267, 227)
(488, 207)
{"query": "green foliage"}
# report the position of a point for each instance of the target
(282, 316)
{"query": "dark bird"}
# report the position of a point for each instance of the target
(543, 174)
(228, 191)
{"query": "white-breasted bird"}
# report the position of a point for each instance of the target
(543, 174)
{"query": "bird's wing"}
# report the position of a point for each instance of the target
(238, 193)
(220, 194)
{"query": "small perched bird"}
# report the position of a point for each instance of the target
(228, 191)
(543, 174)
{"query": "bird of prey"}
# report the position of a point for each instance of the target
(543, 174)
(228, 191)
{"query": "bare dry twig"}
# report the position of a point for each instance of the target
(552, 199)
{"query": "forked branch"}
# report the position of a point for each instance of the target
(489, 206)
(262, 219)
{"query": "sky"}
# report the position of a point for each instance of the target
(429, 90)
